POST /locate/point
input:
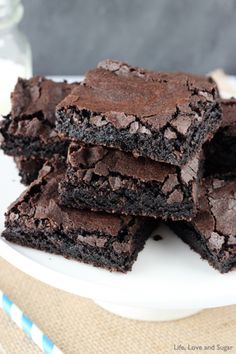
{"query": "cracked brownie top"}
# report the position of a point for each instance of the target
(102, 162)
(142, 100)
(32, 117)
(33, 108)
(216, 217)
(38, 96)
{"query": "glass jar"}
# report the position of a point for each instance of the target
(15, 52)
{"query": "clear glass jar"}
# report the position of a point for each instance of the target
(15, 52)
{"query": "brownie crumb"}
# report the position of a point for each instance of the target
(157, 237)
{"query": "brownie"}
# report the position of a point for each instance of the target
(29, 130)
(220, 152)
(212, 232)
(162, 116)
(28, 167)
(37, 220)
(114, 181)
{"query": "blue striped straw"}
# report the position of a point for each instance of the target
(22, 321)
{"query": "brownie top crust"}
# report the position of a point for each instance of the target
(38, 96)
(103, 161)
(229, 113)
(123, 93)
(33, 111)
(216, 217)
(38, 207)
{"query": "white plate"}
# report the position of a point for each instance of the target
(168, 281)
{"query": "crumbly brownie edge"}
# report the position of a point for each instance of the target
(69, 123)
(61, 244)
(126, 201)
(28, 147)
(197, 243)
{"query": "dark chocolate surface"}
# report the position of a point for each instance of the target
(38, 96)
(29, 130)
(28, 168)
(212, 232)
(229, 112)
(164, 116)
(100, 178)
(220, 152)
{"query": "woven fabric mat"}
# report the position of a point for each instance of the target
(77, 325)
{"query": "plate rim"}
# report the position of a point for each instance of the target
(97, 291)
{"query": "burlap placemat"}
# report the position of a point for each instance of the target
(77, 325)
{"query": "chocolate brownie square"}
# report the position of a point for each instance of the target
(163, 116)
(37, 220)
(220, 152)
(212, 232)
(114, 181)
(29, 130)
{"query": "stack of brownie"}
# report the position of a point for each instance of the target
(121, 151)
